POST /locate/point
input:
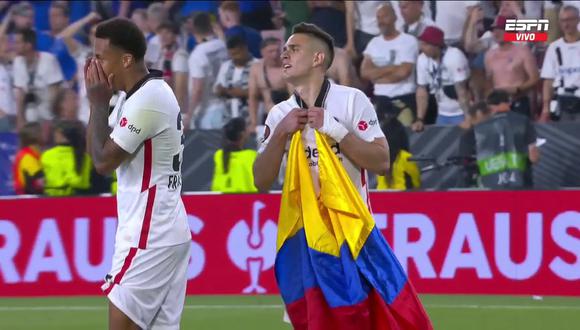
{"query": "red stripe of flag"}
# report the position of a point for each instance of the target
(147, 161)
(147, 218)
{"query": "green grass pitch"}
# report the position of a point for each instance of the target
(455, 312)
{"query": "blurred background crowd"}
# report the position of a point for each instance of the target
(422, 63)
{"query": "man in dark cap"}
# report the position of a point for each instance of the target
(442, 71)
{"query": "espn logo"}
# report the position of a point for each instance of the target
(522, 30)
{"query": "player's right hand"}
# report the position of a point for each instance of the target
(295, 120)
(99, 86)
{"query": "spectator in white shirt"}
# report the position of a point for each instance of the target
(561, 69)
(205, 110)
(171, 59)
(7, 105)
(361, 25)
(414, 19)
(37, 77)
(389, 62)
(444, 70)
(20, 16)
(233, 78)
(450, 18)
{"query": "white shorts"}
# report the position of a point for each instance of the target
(149, 285)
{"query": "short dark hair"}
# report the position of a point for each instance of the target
(62, 5)
(169, 25)
(123, 34)
(316, 32)
(269, 41)
(202, 23)
(28, 35)
(236, 41)
(480, 106)
(498, 96)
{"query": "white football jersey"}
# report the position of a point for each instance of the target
(352, 109)
(148, 126)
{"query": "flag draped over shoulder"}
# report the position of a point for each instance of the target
(333, 266)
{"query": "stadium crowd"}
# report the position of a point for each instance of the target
(420, 62)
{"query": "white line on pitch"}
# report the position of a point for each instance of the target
(214, 307)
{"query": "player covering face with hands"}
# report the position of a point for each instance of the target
(147, 282)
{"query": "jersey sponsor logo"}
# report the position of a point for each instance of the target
(134, 129)
(363, 125)
(123, 122)
(312, 153)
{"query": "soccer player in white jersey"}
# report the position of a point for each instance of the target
(147, 282)
(343, 113)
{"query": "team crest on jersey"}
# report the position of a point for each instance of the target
(266, 133)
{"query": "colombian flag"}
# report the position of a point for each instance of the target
(333, 266)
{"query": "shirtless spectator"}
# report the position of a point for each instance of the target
(266, 81)
(511, 68)
(342, 71)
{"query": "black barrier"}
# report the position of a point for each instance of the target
(559, 164)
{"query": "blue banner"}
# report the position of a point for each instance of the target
(8, 150)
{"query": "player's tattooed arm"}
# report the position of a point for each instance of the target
(105, 153)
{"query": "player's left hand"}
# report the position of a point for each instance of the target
(99, 86)
(315, 117)
(327, 125)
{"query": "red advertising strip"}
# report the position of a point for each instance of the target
(450, 242)
(526, 37)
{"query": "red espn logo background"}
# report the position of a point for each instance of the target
(523, 30)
